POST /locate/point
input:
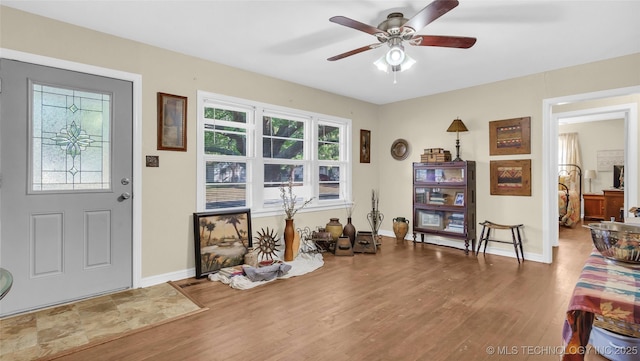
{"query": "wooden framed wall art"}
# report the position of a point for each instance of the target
(365, 146)
(221, 239)
(511, 177)
(510, 136)
(172, 122)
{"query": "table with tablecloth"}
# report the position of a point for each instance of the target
(607, 290)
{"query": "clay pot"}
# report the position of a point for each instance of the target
(400, 227)
(334, 227)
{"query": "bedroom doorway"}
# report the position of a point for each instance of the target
(594, 142)
(550, 151)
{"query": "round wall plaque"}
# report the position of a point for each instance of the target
(399, 149)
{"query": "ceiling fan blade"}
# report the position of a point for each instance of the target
(430, 13)
(354, 24)
(354, 52)
(444, 41)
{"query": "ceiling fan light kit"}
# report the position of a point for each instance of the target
(396, 29)
(395, 56)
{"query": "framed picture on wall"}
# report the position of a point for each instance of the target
(510, 136)
(365, 146)
(172, 122)
(511, 177)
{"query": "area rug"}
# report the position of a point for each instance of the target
(304, 263)
(57, 331)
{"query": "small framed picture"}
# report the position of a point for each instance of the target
(430, 219)
(459, 200)
(172, 122)
(365, 146)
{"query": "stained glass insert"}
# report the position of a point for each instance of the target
(71, 139)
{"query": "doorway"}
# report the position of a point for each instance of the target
(41, 220)
(550, 155)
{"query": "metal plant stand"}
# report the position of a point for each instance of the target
(375, 220)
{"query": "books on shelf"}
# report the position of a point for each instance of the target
(455, 223)
(438, 198)
(454, 229)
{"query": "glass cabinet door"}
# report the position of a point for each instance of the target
(440, 175)
(440, 220)
(439, 196)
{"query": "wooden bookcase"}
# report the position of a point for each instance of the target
(444, 201)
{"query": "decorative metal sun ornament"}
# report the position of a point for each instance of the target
(267, 243)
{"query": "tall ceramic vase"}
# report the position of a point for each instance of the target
(400, 227)
(350, 231)
(289, 234)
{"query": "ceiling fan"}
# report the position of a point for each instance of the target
(396, 29)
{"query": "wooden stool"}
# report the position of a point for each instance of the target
(487, 226)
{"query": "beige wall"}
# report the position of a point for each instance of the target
(423, 123)
(169, 191)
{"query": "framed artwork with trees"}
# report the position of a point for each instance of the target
(221, 239)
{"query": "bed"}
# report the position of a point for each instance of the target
(569, 194)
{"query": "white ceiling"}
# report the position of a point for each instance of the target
(291, 40)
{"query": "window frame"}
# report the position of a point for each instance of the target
(255, 161)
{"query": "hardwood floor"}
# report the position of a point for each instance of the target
(407, 302)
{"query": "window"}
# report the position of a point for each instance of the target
(247, 150)
(70, 140)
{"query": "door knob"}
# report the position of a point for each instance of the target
(125, 195)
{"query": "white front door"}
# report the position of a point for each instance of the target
(66, 183)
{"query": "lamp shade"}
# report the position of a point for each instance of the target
(457, 126)
(590, 174)
(385, 66)
(395, 55)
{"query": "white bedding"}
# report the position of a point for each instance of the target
(304, 263)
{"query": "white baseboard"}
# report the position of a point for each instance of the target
(441, 241)
(191, 272)
(172, 276)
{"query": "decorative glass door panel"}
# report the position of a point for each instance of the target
(440, 196)
(440, 175)
(70, 134)
(445, 221)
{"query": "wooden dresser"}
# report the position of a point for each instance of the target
(593, 207)
(613, 202)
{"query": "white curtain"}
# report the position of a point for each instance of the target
(569, 153)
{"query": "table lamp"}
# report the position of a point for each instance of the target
(457, 126)
(589, 175)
